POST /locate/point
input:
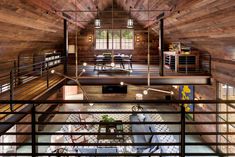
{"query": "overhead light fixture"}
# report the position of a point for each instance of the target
(97, 20)
(112, 64)
(130, 22)
(145, 92)
(76, 80)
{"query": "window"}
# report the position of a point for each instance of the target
(8, 139)
(226, 92)
(114, 39)
(127, 39)
(101, 39)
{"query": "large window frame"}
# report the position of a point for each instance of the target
(226, 92)
(123, 39)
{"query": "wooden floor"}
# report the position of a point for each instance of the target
(28, 91)
(139, 70)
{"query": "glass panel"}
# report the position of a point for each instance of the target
(223, 108)
(227, 93)
(101, 39)
(8, 139)
(231, 116)
(127, 39)
(231, 93)
(223, 148)
(223, 127)
(222, 91)
(231, 139)
(116, 39)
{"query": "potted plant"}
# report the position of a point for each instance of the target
(107, 119)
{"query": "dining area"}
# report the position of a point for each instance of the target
(111, 62)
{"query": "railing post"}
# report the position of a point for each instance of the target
(66, 41)
(41, 69)
(33, 127)
(186, 67)
(11, 89)
(210, 64)
(161, 46)
(47, 74)
(15, 72)
(18, 70)
(182, 130)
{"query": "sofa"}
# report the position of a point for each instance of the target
(93, 150)
(151, 138)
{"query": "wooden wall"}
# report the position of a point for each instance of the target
(27, 29)
(86, 48)
(208, 26)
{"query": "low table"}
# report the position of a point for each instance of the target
(114, 128)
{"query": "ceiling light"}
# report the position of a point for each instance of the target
(145, 92)
(174, 86)
(130, 22)
(112, 64)
(84, 64)
(121, 83)
(97, 20)
(97, 23)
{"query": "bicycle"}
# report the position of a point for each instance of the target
(137, 108)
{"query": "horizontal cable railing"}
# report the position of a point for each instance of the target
(18, 75)
(58, 136)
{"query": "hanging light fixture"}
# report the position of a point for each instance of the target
(97, 20)
(130, 22)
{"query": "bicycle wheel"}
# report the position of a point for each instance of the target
(137, 108)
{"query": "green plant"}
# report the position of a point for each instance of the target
(106, 118)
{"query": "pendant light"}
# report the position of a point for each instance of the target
(97, 20)
(130, 22)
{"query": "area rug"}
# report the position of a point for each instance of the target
(98, 117)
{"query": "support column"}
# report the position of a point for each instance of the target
(161, 47)
(66, 42)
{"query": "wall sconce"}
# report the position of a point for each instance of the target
(90, 38)
(137, 38)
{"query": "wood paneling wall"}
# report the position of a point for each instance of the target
(27, 29)
(86, 49)
(208, 26)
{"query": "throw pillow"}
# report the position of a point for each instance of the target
(141, 117)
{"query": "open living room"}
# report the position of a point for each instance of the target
(140, 78)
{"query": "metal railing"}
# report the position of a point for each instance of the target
(189, 64)
(18, 75)
(152, 108)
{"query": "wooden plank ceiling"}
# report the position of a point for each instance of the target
(25, 28)
(208, 25)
